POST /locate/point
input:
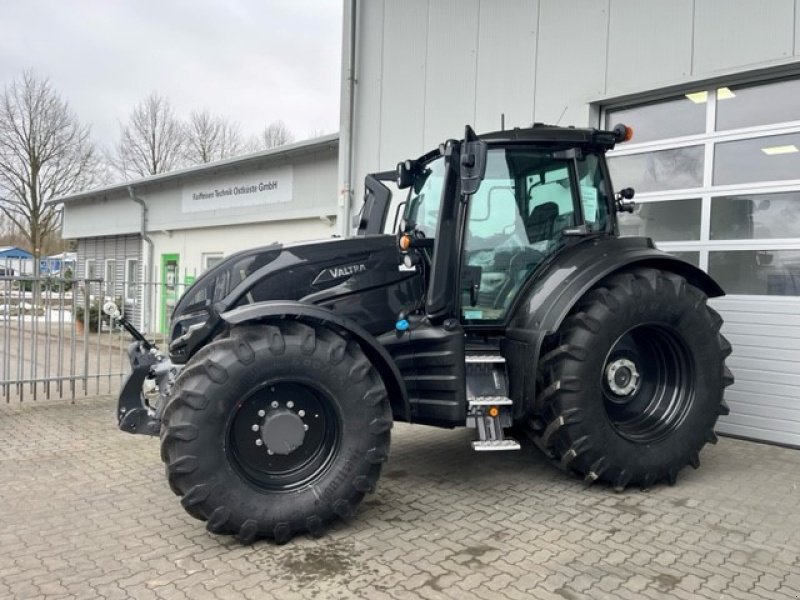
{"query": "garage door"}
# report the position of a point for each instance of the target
(717, 179)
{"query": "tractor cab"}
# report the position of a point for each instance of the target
(498, 207)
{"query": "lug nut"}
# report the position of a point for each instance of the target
(301, 412)
(274, 404)
(261, 413)
(254, 427)
(269, 452)
(259, 442)
(305, 427)
(290, 404)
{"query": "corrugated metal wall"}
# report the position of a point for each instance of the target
(765, 335)
(425, 68)
(116, 247)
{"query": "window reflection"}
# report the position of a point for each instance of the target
(747, 106)
(660, 120)
(771, 158)
(761, 272)
(675, 220)
(679, 168)
(755, 216)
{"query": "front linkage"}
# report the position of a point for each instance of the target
(150, 381)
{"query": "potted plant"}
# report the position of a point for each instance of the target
(92, 316)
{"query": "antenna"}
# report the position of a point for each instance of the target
(563, 112)
(502, 121)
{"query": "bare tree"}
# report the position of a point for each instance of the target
(275, 134)
(209, 138)
(152, 140)
(45, 153)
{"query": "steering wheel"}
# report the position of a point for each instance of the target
(522, 263)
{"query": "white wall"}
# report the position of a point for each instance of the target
(314, 194)
(191, 244)
(426, 68)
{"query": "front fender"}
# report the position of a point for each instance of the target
(546, 301)
(282, 309)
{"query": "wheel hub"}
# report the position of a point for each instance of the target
(622, 377)
(283, 431)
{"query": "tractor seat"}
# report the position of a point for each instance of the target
(541, 222)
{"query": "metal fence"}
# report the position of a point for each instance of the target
(55, 341)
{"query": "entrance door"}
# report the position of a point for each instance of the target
(169, 288)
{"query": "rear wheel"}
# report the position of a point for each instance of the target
(276, 430)
(632, 384)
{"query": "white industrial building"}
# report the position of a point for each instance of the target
(148, 239)
(710, 88)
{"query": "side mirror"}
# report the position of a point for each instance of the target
(473, 162)
(405, 174)
(110, 308)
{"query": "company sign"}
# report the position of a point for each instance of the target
(239, 191)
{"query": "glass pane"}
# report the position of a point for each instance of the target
(747, 106)
(771, 158)
(755, 216)
(675, 220)
(423, 205)
(661, 120)
(592, 185)
(763, 272)
(675, 169)
(515, 220)
(690, 257)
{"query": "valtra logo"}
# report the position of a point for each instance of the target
(341, 272)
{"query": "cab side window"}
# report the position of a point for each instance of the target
(592, 186)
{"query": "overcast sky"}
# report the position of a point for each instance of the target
(254, 61)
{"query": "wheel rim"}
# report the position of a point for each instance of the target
(648, 383)
(282, 435)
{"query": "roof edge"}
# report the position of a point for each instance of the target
(285, 150)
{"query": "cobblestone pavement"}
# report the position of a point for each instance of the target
(85, 512)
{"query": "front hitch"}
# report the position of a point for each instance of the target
(133, 412)
(148, 365)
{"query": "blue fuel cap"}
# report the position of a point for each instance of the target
(401, 325)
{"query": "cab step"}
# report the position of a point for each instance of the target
(484, 359)
(489, 415)
(490, 401)
(492, 445)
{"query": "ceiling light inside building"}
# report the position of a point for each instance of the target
(724, 93)
(698, 97)
(773, 150)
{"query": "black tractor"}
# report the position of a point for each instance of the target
(503, 299)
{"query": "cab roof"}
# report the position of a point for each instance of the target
(552, 134)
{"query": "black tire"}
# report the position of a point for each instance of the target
(238, 484)
(604, 419)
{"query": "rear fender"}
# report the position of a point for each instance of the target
(544, 304)
(277, 310)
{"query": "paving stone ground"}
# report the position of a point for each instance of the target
(85, 512)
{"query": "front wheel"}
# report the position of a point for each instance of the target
(632, 384)
(276, 430)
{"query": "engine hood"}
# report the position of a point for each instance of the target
(338, 273)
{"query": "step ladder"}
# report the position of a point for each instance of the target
(489, 407)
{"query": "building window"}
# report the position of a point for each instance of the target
(110, 275)
(91, 269)
(131, 280)
(717, 179)
(211, 260)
